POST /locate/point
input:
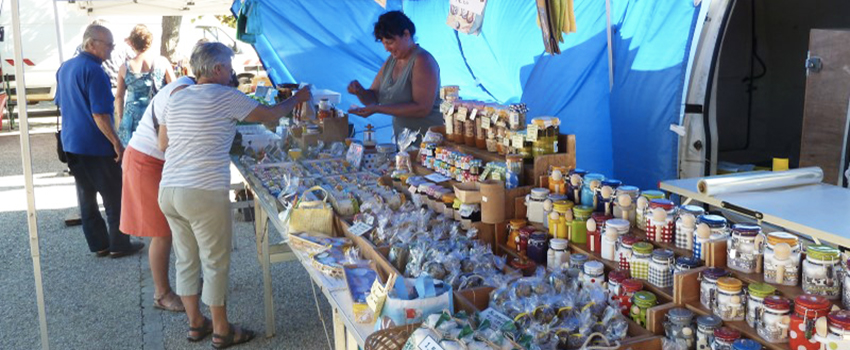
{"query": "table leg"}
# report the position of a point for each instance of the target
(262, 233)
(339, 331)
(351, 342)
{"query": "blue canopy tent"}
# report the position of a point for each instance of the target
(622, 130)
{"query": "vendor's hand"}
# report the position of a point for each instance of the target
(304, 94)
(355, 88)
(364, 111)
(119, 151)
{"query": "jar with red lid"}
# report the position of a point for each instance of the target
(594, 237)
(724, 337)
(522, 240)
(773, 321)
(628, 288)
(624, 250)
(615, 278)
(839, 325)
(659, 221)
(807, 309)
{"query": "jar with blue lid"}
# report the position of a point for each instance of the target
(605, 196)
(706, 325)
(686, 263)
(575, 180)
(590, 183)
(661, 268)
(577, 261)
(744, 249)
(719, 225)
(686, 227)
(679, 327)
(746, 344)
(538, 247)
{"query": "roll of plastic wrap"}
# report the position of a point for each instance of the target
(759, 181)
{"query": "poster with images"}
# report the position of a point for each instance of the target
(466, 16)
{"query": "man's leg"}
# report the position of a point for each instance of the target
(106, 177)
(93, 226)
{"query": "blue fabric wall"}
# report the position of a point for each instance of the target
(622, 132)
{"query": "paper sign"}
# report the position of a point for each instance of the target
(429, 344)
(474, 6)
(531, 133)
(494, 118)
(466, 16)
(474, 113)
(354, 155)
(437, 178)
(517, 141)
(497, 319)
(485, 123)
(450, 128)
(360, 229)
(506, 142)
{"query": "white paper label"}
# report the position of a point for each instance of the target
(412, 189)
(485, 123)
(359, 229)
(429, 344)
(474, 6)
(370, 220)
(497, 319)
(473, 114)
(436, 178)
(518, 140)
(506, 142)
(450, 128)
(531, 133)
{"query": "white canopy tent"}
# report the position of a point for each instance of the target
(96, 7)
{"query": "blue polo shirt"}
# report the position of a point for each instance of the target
(83, 89)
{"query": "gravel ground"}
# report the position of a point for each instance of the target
(97, 303)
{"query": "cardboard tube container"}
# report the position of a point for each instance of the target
(492, 201)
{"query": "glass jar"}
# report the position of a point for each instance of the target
(369, 136)
(548, 129)
(821, 271)
(653, 194)
(686, 263)
(659, 223)
(606, 195)
(743, 251)
(730, 299)
(549, 207)
(594, 274)
(624, 251)
(625, 209)
(534, 205)
(501, 132)
(522, 239)
(575, 182)
(594, 236)
(577, 261)
(514, 226)
(588, 189)
(685, 228)
(839, 325)
(641, 258)
(708, 286)
(746, 344)
(774, 320)
(557, 183)
(615, 279)
(578, 231)
(756, 292)
(782, 259)
(629, 288)
(679, 327)
(641, 303)
(706, 325)
(537, 247)
(514, 165)
(480, 132)
(558, 254)
(661, 268)
(719, 225)
(601, 220)
(564, 212)
(468, 128)
(449, 121)
(640, 212)
(724, 337)
(807, 310)
(609, 244)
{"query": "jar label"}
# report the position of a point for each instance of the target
(485, 123)
(473, 114)
(518, 140)
(531, 133)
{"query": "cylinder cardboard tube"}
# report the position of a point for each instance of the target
(492, 201)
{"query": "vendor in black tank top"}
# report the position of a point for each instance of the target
(407, 86)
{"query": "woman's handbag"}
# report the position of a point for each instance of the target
(312, 216)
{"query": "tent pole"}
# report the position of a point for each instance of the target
(610, 48)
(26, 152)
(60, 37)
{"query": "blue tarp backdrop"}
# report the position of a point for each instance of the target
(622, 132)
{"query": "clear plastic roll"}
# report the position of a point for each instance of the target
(759, 181)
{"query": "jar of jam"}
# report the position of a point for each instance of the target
(641, 258)
(685, 227)
(537, 247)
(724, 337)
(526, 148)
(561, 221)
(807, 310)
(679, 327)
(756, 292)
(625, 250)
(774, 320)
(659, 224)
(708, 286)
(743, 251)
(661, 268)
(782, 259)
(578, 231)
(821, 271)
(588, 190)
(641, 303)
(514, 227)
(594, 274)
(629, 288)
(706, 325)
(546, 141)
(480, 132)
(615, 279)
(839, 325)
(730, 299)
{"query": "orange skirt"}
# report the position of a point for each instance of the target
(140, 213)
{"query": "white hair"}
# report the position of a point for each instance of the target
(205, 56)
(91, 33)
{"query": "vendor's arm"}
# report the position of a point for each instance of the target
(367, 96)
(120, 89)
(271, 114)
(426, 74)
(104, 123)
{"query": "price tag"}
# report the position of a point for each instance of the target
(429, 344)
(370, 220)
(506, 142)
(531, 133)
(437, 178)
(514, 118)
(474, 113)
(497, 319)
(412, 189)
(494, 118)
(460, 116)
(450, 128)
(518, 140)
(485, 123)
(360, 229)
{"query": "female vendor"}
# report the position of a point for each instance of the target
(407, 86)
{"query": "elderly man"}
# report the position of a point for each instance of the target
(94, 151)
(196, 135)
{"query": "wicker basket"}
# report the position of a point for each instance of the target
(391, 338)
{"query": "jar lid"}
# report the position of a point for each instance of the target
(688, 261)
(617, 276)
(518, 223)
(709, 321)
(665, 204)
(563, 206)
(527, 230)
(839, 319)
(715, 273)
(540, 193)
(613, 183)
(594, 268)
(629, 189)
(619, 224)
(546, 121)
(642, 247)
(730, 284)
(539, 236)
(385, 147)
(600, 216)
(713, 221)
(558, 243)
(652, 194)
(782, 237)
(556, 197)
(631, 285)
(680, 315)
(694, 210)
(662, 254)
(578, 258)
(746, 229)
(582, 210)
(593, 176)
(746, 344)
(727, 334)
(810, 303)
(822, 252)
(581, 172)
(645, 299)
(777, 303)
(760, 290)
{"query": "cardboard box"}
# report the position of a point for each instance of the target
(468, 192)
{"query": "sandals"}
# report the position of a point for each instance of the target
(202, 331)
(226, 341)
(174, 306)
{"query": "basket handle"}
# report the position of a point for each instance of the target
(311, 189)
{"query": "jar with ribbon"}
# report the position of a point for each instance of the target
(774, 321)
(743, 251)
(821, 271)
(590, 184)
(808, 309)
(686, 225)
(708, 286)
(756, 292)
(641, 258)
(782, 259)
(578, 230)
(641, 303)
(661, 268)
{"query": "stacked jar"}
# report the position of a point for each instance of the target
(661, 268)
(821, 271)
(514, 227)
(774, 320)
(538, 247)
(807, 310)
(549, 206)
(625, 209)
(686, 263)
(534, 203)
(615, 279)
(548, 129)
(563, 216)
(594, 274)
(625, 250)
(590, 183)
(557, 183)
(659, 221)
(641, 303)
(730, 299)
(685, 230)
(629, 287)
(641, 258)
(577, 261)
(708, 286)
(743, 251)
(614, 228)
(578, 231)
(839, 325)
(479, 114)
(679, 327)
(557, 254)
(756, 292)
(724, 337)
(706, 325)
(575, 182)
(604, 202)
(782, 259)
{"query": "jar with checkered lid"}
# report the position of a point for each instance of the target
(685, 263)
(821, 271)
(641, 258)
(743, 251)
(577, 261)
(708, 286)
(756, 292)
(641, 303)
(591, 183)
(593, 274)
(782, 259)
(746, 344)
(686, 228)
(625, 250)
(807, 310)
(661, 268)
(774, 320)
(724, 337)
(730, 299)
(679, 327)
(839, 325)
(659, 221)
(706, 325)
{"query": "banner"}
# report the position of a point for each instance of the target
(466, 16)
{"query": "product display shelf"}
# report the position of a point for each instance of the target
(741, 326)
(676, 250)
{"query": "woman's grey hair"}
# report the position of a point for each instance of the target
(91, 33)
(205, 56)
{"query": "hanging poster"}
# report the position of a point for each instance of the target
(466, 16)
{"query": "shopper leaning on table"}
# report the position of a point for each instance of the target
(407, 86)
(198, 128)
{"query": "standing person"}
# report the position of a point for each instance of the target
(94, 150)
(407, 86)
(139, 78)
(140, 213)
(197, 131)
(120, 54)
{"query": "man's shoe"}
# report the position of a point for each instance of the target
(102, 253)
(135, 247)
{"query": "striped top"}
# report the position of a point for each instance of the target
(201, 124)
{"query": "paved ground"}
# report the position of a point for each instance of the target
(99, 303)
